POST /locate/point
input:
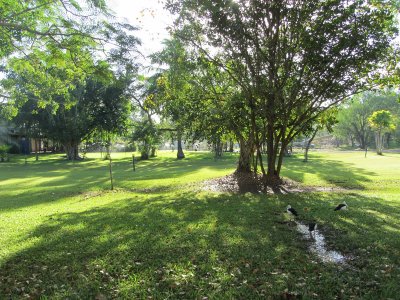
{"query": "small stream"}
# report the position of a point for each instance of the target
(318, 245)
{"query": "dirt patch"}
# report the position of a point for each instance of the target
(243, 184)
(91, 194)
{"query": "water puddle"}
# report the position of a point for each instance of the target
(318, 245)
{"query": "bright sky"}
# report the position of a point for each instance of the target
(149, 15)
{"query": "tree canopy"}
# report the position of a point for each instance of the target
(98, 104)
(381, 122)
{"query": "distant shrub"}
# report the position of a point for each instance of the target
(14, 149)
(4, 152)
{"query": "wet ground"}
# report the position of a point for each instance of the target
(318, 246)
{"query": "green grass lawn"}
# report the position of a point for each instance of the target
(64, 234)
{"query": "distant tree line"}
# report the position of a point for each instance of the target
(354, 127)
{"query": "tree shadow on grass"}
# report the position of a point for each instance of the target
(55, 179)
(195, 245)
(333, 172)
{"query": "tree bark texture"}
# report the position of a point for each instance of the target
(180, 154)
(246, 154)
(71, 150)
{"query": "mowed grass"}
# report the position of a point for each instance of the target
(64, 234)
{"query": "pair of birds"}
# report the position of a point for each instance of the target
(312, 225)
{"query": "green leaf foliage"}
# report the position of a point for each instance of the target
(289, 62)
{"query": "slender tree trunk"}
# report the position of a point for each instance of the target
(230, 145)
(379, 142)
(108, 155)
(280, 161)
(111, 173)
(272, 176)
(153, 152)
(308, 145)
(218, 148)
(180, 154)
(36, 150)
(387, 140)
(259, 156)
(255, 163)
(352, 141)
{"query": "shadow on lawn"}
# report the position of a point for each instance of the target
(57, 179)
(194, 246)
(334, 172)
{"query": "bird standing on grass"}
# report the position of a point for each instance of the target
(312, 226)
(341, 206)
(291, 211)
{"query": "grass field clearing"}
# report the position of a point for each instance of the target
(64, 234)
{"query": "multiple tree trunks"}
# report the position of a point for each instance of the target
(230, 146)
(250, 158)
(71, 150)
(218, 148)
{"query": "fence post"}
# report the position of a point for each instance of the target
(133, 162)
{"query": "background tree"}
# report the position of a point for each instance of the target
(353, 115)
(98, 104)
(381, 122)
(146, 129)
(325, 120)
(197, 96)
(147, 135)
(175, 88)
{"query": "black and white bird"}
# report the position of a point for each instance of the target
(312, 226)
(291, 211)
(341, 206)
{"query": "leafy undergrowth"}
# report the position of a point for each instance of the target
(64, 235)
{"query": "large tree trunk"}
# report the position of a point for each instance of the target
(71, 149)
(180, 154)
(246, 180)
(245, 157)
